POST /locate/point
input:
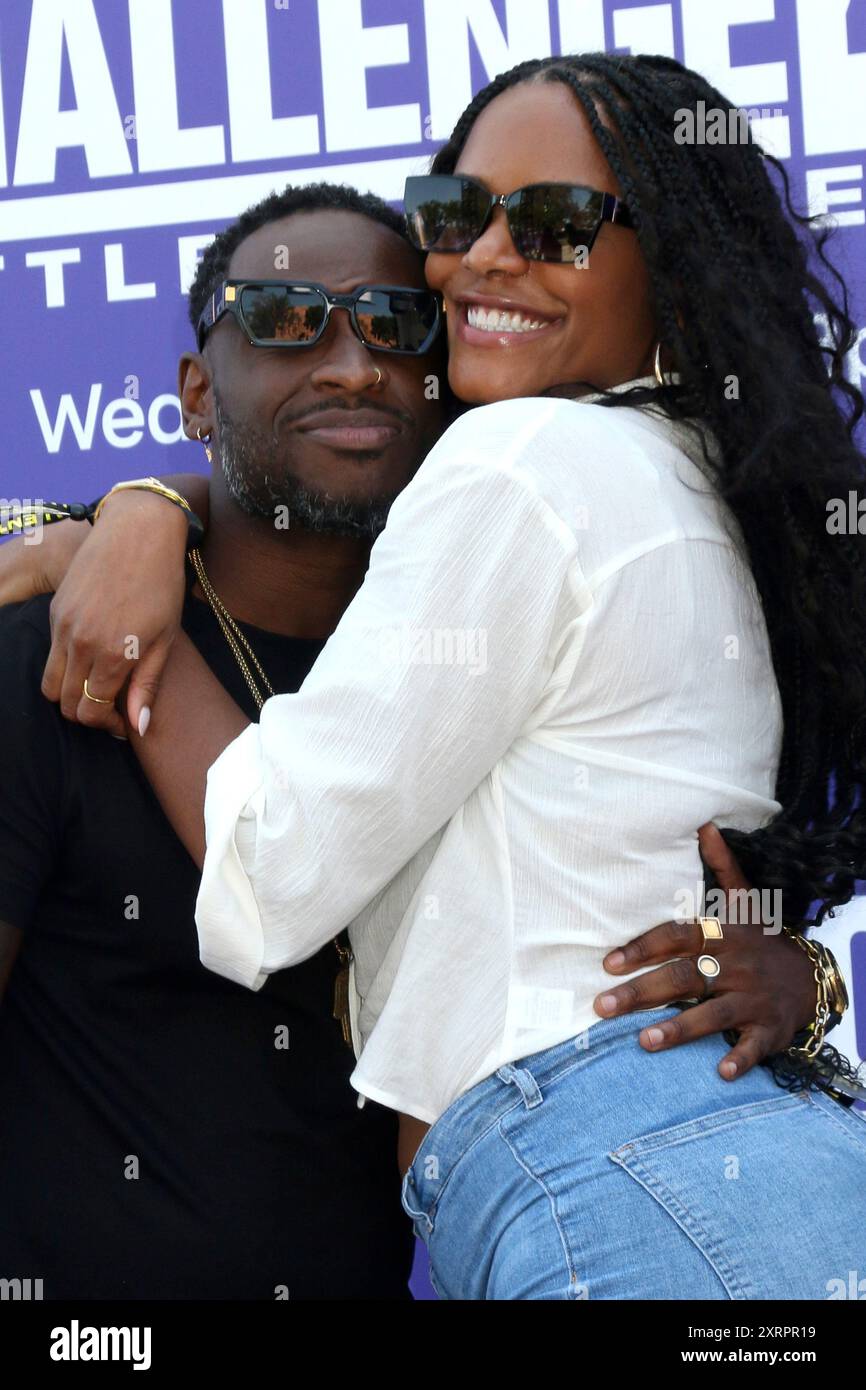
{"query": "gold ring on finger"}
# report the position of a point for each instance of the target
(711, 928)
(95, 698)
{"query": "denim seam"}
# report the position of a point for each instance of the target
(443, 1186)
(569, 1064)
(585, 1055)
(629, 1157)
(572, 1064)
(566, 1248)
(415, 1215)
(685, 1219)
(858, 1141)
(444, 1297)
(712, 1123)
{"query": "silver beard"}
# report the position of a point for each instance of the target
(248, 458)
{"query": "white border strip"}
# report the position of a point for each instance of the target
(187, 201)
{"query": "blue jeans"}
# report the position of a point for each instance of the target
(596, 1169)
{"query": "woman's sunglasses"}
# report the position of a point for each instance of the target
(547, 221)
(279, 313)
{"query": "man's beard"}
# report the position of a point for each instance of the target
(259, 484)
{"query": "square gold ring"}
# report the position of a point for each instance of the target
(711, 928)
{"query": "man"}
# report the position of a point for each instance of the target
(164, 1133)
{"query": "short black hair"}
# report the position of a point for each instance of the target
(310, 197)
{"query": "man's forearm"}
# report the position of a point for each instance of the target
(193, 720)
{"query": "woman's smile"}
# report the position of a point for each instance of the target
(484, 321)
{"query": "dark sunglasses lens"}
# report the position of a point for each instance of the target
(444, 213)
(552, 223)
(396, 320)
(282, 314)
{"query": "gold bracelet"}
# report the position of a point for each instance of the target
(144, 485)
(817, 1030)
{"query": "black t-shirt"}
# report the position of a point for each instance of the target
(155, 1140)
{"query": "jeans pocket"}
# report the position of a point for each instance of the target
(773, 1193)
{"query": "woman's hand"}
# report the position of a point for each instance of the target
(37, 564)
(765, 991)
(118, 609)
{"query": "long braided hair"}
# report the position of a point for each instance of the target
(737, 280)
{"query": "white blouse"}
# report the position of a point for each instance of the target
(556, 669)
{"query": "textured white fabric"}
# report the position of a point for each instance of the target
(556, 669)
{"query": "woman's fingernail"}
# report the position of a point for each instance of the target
(143, 721)
(728, 1068)
(615, 960)
(655, 1036)
(608, 1003)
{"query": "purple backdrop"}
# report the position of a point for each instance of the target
(131, 132)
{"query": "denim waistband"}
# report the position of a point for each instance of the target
(474, 1113)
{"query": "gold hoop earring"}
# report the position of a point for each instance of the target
(378, 377)
(203, 439)
(658, 366)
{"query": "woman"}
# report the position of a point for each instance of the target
(491, 839)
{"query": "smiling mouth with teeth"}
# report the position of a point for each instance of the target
(501, 321)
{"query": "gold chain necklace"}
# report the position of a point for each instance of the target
(231, 632)
(236, 641)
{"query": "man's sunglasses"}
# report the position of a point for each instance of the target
(547, 221)
(286, 314)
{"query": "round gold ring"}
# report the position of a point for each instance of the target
(95, 698)
(378, 377)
